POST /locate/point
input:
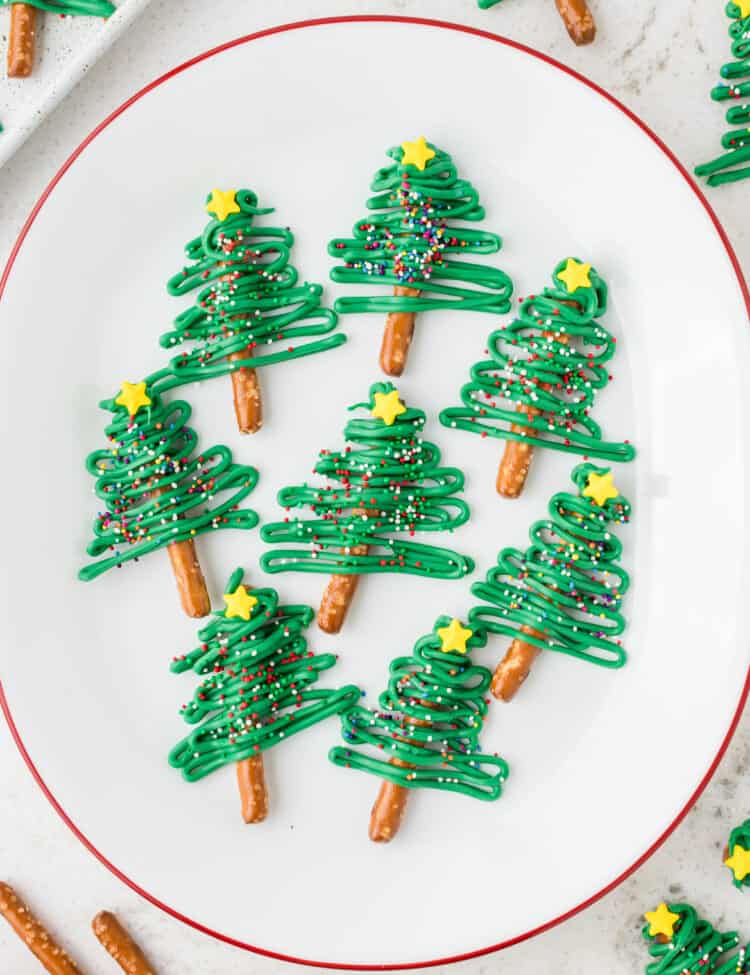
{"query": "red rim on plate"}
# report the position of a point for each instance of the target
(4, 705)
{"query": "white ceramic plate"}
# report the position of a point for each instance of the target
(66, 49)
(602, 762)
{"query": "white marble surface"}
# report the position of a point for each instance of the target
(660, 59)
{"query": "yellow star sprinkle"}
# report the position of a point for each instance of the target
(222, 203)
(600, 488)
(133, 396)
(661, 921)
(744, 6)
(387, 407)
(417, 153)
(739, 861)
(575, 275)
(453, 637)
(239, 603)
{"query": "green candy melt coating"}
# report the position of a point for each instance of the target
(73, 8)
(696, 947)
(390, 471)
(249, 295)
(447, 692)
(737, 141)
(407, 236)
(258, 688)
(740, 835)
(552, 358)
(567, 584)
(156, 490)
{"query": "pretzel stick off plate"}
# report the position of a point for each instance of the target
(34, 935)
(578, 20)
(399, 330)
(340, 590)
(120, 945)
(516, 459)
(21, 40)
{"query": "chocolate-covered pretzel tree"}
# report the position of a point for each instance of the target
(425, 734)
(386, 483)
(250, 309)
(258, 689)
(408, 240)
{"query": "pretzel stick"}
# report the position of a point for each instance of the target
(188, 575)
(21, 41)
(340, 590)
(248, 405)
(516, 459)
(399, 329)
(34, 935)
(120, 945)
(514, 668)
(390, 805)
(578, 20)
(251, 780)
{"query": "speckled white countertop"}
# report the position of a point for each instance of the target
(661, 60)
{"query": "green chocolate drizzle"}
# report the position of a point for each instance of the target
(551, 358)
(257, 689)
(82, 8)
(156, 489)
(389, 471)
(740, 836)
(445, 691)
(736, 141)
(408, 236)
(695, 947)
(248, 296)
(567, 584)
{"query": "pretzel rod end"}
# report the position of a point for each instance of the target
(578, 20)
(34, 935)
(21, 40)
(399, 331)
(515, 666)
(336, 601)
(116, 940)
(248, 404)
(251, 781)
(189, 577)
(389, 808)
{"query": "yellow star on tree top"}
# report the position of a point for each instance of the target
(133, 396)
(661, 921)
(239, 603)
(222, 203)
(744, 6)
(417, 153)
(454, 637)
(600, 488)
(575, 275)
(739, 861)
(387, 407)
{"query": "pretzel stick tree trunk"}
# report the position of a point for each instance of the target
(515, 666)
(248, 403)
(188, 575)
(516, 459)
(116, 940)
(21, 40)
(578, 20)
(251, 781)
(388, 812)
(340, 590)
(34, 935)
(399, 331)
